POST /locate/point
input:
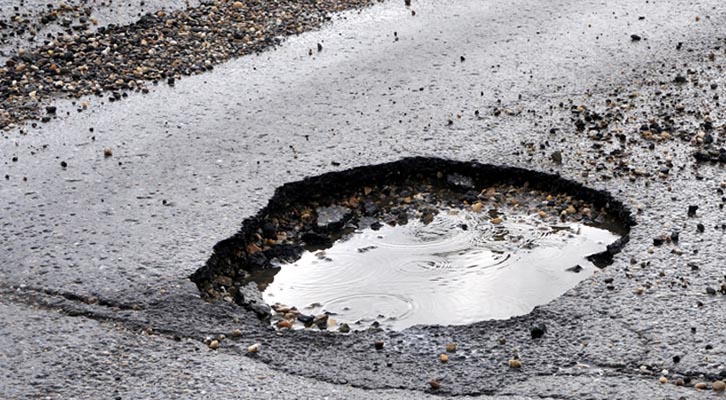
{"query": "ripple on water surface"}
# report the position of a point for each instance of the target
(458, 269)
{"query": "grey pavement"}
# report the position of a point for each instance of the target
(95, 299)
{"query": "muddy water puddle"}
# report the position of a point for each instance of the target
(459, 267)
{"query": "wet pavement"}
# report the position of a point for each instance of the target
(96, 254)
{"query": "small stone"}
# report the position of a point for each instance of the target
(444, 358)
(556, 157)
(700, 228)
(305, 319)
(635, 38)
(332, 217)
(253, 248)
(675, 237)
(214, 344)
(515, 363)
(701, 386)
(321, 321)
(344, 328)
(64, 164)
(238, 5)
(320, 47)
(639, 290)
(711, 291)
(434, 383)
(236, 333)
(663, 380)
(255, 348)
(477, 207)
(50, 109)
(107, 152)
(451, 347)
(692, 211)
(537, 330)
(285, 323)
(571, 210)
(719, 386)
(496, 221)
(576, 269)
(378, 344)
(290, 315)
(427, 218)
(542, 214)
(269, 231)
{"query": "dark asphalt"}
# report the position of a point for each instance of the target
(95, 256)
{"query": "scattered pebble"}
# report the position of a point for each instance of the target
(253, 349)
(163, 46)
(537, 330)
(284, 324)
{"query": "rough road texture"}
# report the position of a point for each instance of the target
(160, 46)
(95, 255)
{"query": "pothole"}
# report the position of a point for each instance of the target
(419, 241)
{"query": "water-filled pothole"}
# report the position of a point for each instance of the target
(457, 269)
(420, 241)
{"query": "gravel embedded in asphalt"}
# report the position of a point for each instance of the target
(159, 47)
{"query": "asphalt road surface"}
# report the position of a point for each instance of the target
(95, 299)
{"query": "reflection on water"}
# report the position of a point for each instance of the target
(458, 269)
